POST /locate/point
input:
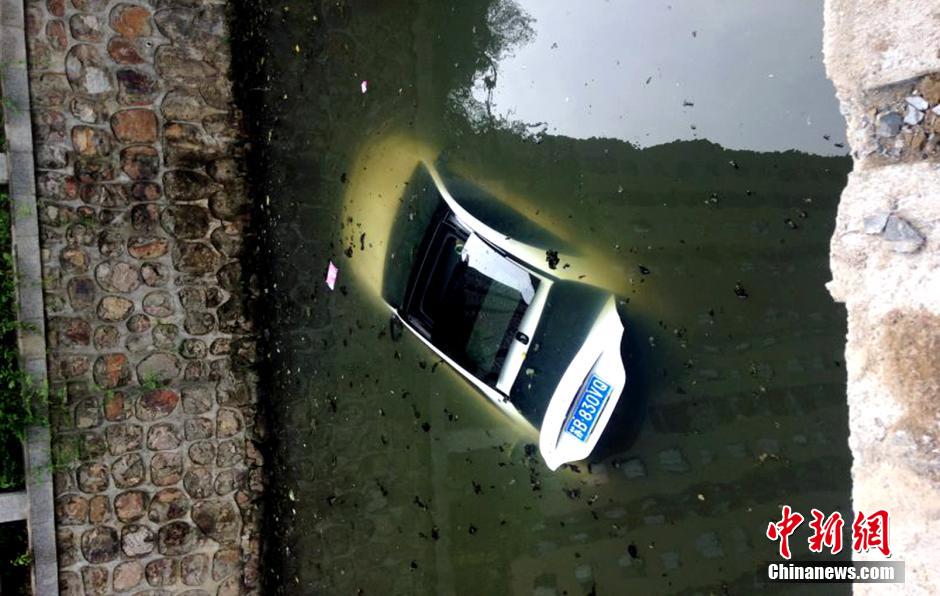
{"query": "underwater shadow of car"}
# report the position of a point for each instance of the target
(626, 422)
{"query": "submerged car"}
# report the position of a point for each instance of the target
(496, 306)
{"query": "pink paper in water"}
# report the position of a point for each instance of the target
(364, 85)
(331, 273)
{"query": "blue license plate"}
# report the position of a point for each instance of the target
(588, 409)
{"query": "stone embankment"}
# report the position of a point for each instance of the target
(883, 57)
(143, 211)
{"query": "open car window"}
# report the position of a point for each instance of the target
(471, 313)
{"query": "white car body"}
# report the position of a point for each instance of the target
(597, 361)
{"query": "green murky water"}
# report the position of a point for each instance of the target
(685, 151)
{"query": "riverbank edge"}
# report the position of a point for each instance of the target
(143, 212)
(885, 253)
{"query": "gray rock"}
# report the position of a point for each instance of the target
(913, 116)
(888, 124)
(918, 102)
(875, 223)
(902, 235)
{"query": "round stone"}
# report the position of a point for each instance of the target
(81, 292)
(70, 584)
(117, 276)
(134, 126)
(176, 538)
(128, 470)
(229, 454)
(154, 275)
(111, 243)
(186, 222)
(199, 323)
(86, 70)
(87, 413)
(197, 400)
(228, 423)
(229, 243)
(137, 540)
(100, 544)
(217, 519)
(202, 453)
(228, 206)
(195, 258)
(99, 509)
(226, 481)
(194, 349)
(163, 436)
(136, 87)
(157, 404)
(95, 581)
(147, 247)
(71, 510)
(166, 468)
(114, 308)
(112, 370)
(93, 477)
(127, 575)
(123, 51)
(105, 337)
(130, 21)
(168, 504)
(138, 323)
(160, 367)
(130, 505)
(187, 185)
(230, 276)
(144, 217)
(196, 370)
(85, 27)
(225, 562)
(123, 438)
(198, 428)
(74, 260)
(91, 141)
(158, 303)
(117, 407)
(165, 336)
(198, 483)
(193, 569)
(140, 162)
(162, 572)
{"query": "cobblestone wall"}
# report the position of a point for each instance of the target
(142, 214)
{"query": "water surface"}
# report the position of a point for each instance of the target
(693, 168)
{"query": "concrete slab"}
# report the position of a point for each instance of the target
(13, 506)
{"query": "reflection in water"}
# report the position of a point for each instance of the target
(388, 473)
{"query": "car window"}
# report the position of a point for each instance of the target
(474, 316)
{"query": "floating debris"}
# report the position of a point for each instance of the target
(364, 86)
(331, 272)
(551, 256)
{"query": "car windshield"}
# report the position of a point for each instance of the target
(472, 300)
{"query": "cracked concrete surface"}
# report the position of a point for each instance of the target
(875, 48)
